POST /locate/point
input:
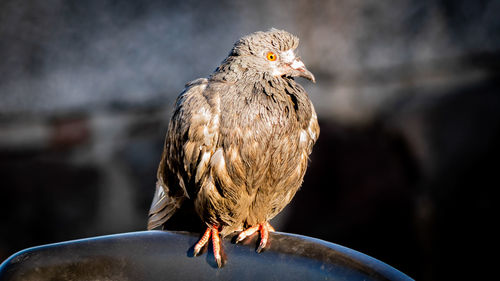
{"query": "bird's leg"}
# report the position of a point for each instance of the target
(213, 232)
(263, 228)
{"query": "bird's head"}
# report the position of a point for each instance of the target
(271, 52)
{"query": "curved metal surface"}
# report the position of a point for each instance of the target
(165, 255)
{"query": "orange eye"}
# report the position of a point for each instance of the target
(271, 56)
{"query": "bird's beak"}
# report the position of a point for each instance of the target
(299, 69)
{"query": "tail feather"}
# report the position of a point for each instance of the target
(162, 207)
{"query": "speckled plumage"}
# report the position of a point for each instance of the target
(238, 143)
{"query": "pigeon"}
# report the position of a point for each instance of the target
(238, 142)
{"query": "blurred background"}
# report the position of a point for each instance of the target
(407, 94)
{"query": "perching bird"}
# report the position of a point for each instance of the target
(238, 142)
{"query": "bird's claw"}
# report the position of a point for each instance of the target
(212, 232)
(202, 242)
(263, 228)
(247, 232)
(216, 247)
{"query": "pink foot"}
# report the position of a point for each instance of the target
(216, 247)
(263, 228)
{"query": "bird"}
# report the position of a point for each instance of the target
(238, 142)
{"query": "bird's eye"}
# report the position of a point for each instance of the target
(271, 56)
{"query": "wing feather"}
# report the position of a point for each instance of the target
(189, 144)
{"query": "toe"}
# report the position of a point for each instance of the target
(202, 242)
(216, 244)
(247, 232)
(264, 236)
